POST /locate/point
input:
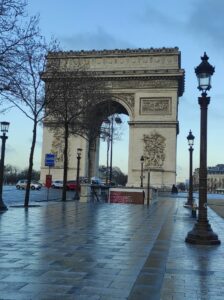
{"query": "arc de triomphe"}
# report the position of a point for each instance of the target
(147, 84)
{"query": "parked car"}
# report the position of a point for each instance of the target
(83, 179)
(72, 185)
(57, 184)
(96, 180)
(34, 185)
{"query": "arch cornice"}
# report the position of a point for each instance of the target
(121, 52)
(131, 80)
(144, 82)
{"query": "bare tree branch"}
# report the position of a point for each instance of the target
(23, 53)
(16, 29)
(73, 97)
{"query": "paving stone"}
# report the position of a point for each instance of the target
(102, 252)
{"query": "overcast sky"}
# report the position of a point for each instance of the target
(194, 26)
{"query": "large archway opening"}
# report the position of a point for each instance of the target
(113, 150)
(111, 160)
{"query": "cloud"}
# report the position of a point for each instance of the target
(200, 20)
(94, 40)
(206, 21)
(10, 149)
(157, 17)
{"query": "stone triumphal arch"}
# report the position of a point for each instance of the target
(146, 85)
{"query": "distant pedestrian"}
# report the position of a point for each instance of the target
(174, 189)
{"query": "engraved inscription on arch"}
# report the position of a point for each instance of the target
(153, 105)
(116, 63)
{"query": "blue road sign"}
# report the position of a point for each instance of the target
(49, 159)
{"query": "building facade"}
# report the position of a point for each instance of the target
(215, 178)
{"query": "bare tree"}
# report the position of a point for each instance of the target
(62, 111)
(92, 128)
(26, 90)
(74, 98)
(15, 30)
(118, 176)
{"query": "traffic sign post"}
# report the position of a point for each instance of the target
(49, 160)
(48, 181)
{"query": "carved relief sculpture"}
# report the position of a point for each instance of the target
(58, 148)
(154, 150)
(153, 106)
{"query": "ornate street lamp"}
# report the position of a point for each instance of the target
(190, 139)
(141, 177)
(79, 152)
(202, 232)
(4, 130)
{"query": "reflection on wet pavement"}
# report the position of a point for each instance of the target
(101, 251)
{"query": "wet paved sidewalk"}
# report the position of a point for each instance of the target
(107, 251)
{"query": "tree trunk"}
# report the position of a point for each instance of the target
(65, 172)
(90, 158)
(30, 168)
(89, 163)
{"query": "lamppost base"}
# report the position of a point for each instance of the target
(3, 207)
(202, 234)
(189, 203)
